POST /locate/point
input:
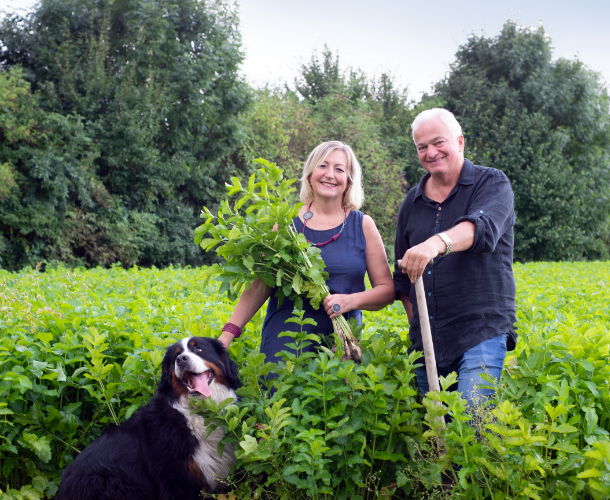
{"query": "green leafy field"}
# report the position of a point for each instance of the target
(81, 349)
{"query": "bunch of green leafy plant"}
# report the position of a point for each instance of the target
(313, 426)
(258, 240)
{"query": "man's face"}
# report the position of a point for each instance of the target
(439, 152)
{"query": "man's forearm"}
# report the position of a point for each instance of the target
(418, 257)
(461, 236)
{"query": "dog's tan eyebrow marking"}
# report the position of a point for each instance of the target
(178, 350)
(192, 342)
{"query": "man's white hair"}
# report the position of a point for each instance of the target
(454, 128)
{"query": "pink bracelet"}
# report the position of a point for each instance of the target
(232, 329)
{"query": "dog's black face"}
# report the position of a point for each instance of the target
(198, 367)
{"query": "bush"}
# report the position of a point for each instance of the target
(316, 427)
(128, 114)
(81, 350)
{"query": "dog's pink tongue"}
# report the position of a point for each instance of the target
(200, 384)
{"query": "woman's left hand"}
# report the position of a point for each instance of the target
(342, 300)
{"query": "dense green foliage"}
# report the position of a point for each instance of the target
(119, 135)
(82, 349)
(333, 429)
(546, 125)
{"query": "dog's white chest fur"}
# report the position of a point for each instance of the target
(214, 467)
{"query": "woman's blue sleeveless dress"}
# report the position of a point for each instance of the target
(345, 260)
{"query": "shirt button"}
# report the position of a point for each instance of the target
(429, 272)
(431, 317)
(429, 294)
(439, 208)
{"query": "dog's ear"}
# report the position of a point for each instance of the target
(233, 373)
(166, 365)
(230, 367)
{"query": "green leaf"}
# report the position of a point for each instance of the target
(297, 282)
(589, 473)
(249, 262)
(41, 445)
(249, 444)
(25, 384)
(565, 428)
(565, 446)
(278, 278)
(591, 420)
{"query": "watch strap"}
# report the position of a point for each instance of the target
(447, 241)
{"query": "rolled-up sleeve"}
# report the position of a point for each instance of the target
(402, 283)
(491, 211)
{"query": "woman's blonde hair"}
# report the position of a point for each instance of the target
(353, 197)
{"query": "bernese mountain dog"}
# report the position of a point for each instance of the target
(162, 451)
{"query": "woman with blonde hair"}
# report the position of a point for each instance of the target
(332, 193)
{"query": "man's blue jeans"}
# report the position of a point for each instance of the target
(487, 357)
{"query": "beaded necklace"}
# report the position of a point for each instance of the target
(309, 214)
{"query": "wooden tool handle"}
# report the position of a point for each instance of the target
(426, 334)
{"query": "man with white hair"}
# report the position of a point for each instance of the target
(462, 216)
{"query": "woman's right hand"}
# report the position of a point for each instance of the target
(225, 339)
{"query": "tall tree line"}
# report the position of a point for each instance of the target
(120, 119)
(546, 125)
(129, 110)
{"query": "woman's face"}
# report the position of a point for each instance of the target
(329, 179)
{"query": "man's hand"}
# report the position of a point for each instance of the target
(342, 300)
(417, 258)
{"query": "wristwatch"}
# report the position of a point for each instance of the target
(447, 240)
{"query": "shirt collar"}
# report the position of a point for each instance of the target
(466, 178)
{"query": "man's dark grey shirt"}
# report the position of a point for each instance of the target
(471, 294)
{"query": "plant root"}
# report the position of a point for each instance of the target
(351, 347)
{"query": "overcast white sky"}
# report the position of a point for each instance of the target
(415, 41)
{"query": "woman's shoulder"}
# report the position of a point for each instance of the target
(368, 222)
(369, 228)
(361, 216)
